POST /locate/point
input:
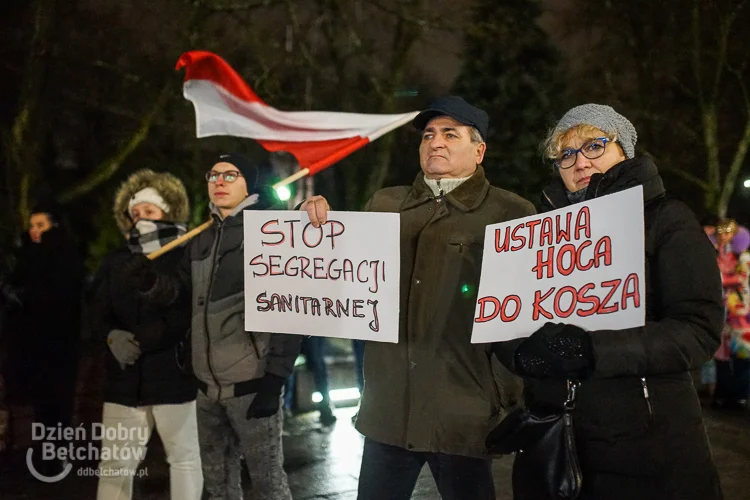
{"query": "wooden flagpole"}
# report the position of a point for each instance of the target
(296, 176)
(179, 241)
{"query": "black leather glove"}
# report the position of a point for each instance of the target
(136, 274)
(267, 401)
(556, 351)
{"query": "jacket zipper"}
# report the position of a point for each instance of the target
(648, 400)
(550, 201)
(208, 301)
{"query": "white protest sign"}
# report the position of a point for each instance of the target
(582, 265)
(339, 280)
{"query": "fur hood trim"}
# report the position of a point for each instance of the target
(169, 187)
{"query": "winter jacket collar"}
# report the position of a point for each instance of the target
(246, 203)
(629, 173)
(466, 197)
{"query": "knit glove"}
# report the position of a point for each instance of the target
(266, 402)
(556, 351)
(124, 347)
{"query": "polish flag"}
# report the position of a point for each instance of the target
(226, 105)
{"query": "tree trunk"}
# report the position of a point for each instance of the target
(24, 136)
(713, 164)
(730, 179)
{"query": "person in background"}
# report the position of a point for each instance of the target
(638, 426)
(314, 350)
(145, 387)
(240, 373)
(46, 333)
(732, 363)
(358, 349)
(433, 396)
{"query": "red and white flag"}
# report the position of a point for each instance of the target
(226, 105)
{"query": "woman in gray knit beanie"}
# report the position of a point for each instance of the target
(638, 426)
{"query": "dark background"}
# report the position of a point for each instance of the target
(88, 92)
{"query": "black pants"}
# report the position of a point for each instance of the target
(732, 381)
(389, 472)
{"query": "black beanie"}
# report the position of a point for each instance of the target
(246, 167)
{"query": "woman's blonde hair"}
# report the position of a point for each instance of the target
(553, 144)
(726, 225)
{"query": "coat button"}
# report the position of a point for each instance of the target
(417, 281)
(413, 364)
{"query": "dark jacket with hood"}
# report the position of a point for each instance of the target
(227, 360)
(638, 423)
(157, 377)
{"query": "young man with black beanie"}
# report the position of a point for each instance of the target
(240, 373)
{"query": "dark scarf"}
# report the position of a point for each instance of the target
(148, 236)
(576, 196)
(626, 174)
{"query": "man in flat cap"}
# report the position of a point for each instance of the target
(434, 396)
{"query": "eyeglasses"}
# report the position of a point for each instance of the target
(592, 150)
(228, 176)
(726, 229)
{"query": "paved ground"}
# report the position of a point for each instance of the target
(324, 464)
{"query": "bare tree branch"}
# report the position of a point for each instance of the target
(85, 100)
(696, 55)
(721, 57)
(24, 144)
(686, 129)
(686, 90)
(734, 170)
(236, 6)
(108, 167)
(743, 88)
(681, 173)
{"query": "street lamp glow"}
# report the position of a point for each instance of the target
(746, 183)
(283, 193)
(348, 394)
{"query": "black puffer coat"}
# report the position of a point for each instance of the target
(632, 447)
(156, 378)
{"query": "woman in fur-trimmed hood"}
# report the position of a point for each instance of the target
(146, 385)
(169, 188)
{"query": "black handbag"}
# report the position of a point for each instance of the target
(546, 464)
